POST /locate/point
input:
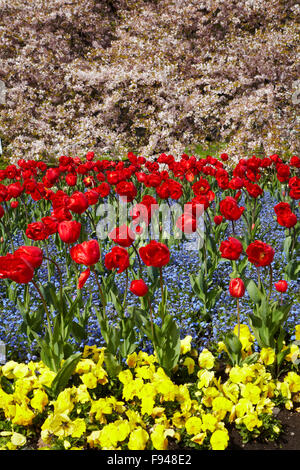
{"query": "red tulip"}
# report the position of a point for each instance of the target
(32, 254)
(229, 209)
(78, 203)
(218, 219)
(139, 288)
(87, 253)
(69, 231)
(123, 236)
(231, 248)
(260, 254)
(16, 268)
(187, 223)
(281, 286)
(117, 258)
(237, 287)
(83, 278)
(155, 254)
(37, 231)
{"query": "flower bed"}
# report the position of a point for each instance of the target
(148, 304)
(143, 408)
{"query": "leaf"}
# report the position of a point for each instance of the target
(253, 291)
(64, 374)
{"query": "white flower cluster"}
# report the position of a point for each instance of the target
(147, 76)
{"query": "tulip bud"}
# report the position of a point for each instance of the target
(237, 287)
(139, 288)
(281, 286)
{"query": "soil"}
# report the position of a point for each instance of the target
(289, 439)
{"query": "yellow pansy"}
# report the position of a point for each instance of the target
(297, 330)
(221, 406)
(82, 394)
(252, 421)
(206, 360)
(267, 355)
(209, 394)
(158, 438)
(185, 344)
(21, 370)
(209, 422)
(39, 400)
(190, 364)
(89, 380)
(243, 407)
(205, 378)
(125, 376)
(23, 415)
(78, 427)
(8, 368)
(246, 338)
(64, 401)
(46, 377)
(18, 439)
(199, 438)
(293, 354)
(84, 366)
(251, 392)
(138, 439)
(100, 374)
(219, 439)
(132, 360)
(193, 425)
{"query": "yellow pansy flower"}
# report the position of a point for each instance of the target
(84, 366)
(78, 427)
(8, 368)
(206, 360)
(138, 439)
(132, 360)
(293, 354)
(251, 392)
(209, 422)
(246, 338)
(193, 425)
(205, 378)
(125, 376)
(219, 439)
(18, 439)
(39, 400)
(199, 438)
(158, 437)
(243, 407)
(267, 355)
(252, 421)
(23, 415)
(190, 364)
(185, 344)
(21, 370)
(89, 380)
(297, 330)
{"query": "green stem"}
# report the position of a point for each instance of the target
(125, 292)
(45, 307)
(60, 275)
(139, 259)
(100, 289)
(271, 281)
(238, 316)
(161, 283)
(258, 277)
